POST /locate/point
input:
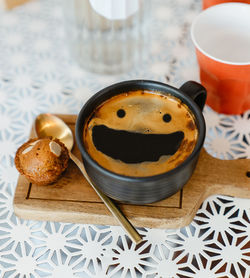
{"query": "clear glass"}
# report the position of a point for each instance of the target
(107, 45)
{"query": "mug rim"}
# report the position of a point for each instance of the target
(207, 11)
(199, 118)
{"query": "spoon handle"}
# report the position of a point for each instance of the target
(124, 222)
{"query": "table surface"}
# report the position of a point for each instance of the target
(38, 75)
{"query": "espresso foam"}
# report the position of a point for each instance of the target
(140, 133)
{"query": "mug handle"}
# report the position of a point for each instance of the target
(196, 91)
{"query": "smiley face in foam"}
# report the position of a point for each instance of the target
(140, 133)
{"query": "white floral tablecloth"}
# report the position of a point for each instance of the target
(38, 75)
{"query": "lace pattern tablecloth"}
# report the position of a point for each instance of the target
(37, 75)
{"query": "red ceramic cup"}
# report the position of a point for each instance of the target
(208, 3)
(221, 35)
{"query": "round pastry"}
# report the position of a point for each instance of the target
(42, 161)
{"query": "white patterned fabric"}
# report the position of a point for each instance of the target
(38, 75)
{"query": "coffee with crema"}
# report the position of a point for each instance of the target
(140, 133)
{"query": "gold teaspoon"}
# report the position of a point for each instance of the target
(50, 125)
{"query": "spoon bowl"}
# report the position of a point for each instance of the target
(48, 125)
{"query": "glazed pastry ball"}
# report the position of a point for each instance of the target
(42, 161)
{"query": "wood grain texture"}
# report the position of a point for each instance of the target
(72, 199)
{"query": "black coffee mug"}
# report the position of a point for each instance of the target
(143, 190)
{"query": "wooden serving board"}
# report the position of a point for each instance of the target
(73, 200)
